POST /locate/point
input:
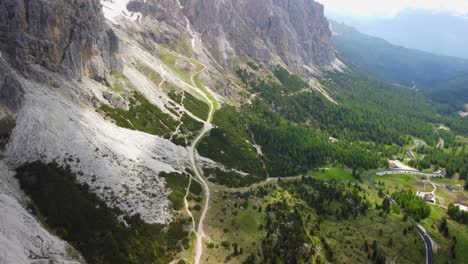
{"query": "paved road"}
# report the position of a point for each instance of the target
(426, 238)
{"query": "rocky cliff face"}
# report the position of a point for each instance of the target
(46, 46)
(68, 37)
(294, 32)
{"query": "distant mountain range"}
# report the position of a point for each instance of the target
(439, 33)
(395, 63)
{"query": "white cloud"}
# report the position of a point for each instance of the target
(392, 7)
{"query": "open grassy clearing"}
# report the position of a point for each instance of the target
(152, 75)
(431, 225)
(232, 219)
(454, 182)
(414, 182)
(461, 233)
(202, 87)
(397, 181)
(169, 59)
(332, 173)
(121, 83)
(446, 197)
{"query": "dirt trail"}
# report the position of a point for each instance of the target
(197, 172)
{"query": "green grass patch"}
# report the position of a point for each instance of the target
(332, 173)
(190, 124)
(461, 233)
(191, 103)
(195, 106)
(177, 183)
(176, 96)
(396, 181)
(152, 75)
(184, 47)
(230, 178)
(169, 59)
(431, 225)
(195, 188)
(142, 116)
(121, 83)
(202, 87)
(238, 223)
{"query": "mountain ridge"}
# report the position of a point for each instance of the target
(395, 63)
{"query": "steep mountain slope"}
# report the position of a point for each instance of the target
(110, 105)
(394, 63)
(64, 37)
(269, 31)
(59, 65)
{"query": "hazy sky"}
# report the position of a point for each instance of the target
(391, 7)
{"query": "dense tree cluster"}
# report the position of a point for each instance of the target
(332, 198)
(414, 206)
(286, 239)
(458, 215)
(291, 235)
(368, 109)
(288, 148)
(78, 216)
(454, 161)
(451, 95)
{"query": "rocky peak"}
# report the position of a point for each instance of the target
(68, 36)
(293, 32)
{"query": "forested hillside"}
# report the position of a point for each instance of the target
(292, 123)
(451, 96)
(395, 63)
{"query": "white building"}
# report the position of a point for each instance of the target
(462, 207)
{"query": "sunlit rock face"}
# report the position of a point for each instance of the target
(68, 37)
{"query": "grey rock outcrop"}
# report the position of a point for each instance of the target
(11, 89)
(69, 37)
(294, 32)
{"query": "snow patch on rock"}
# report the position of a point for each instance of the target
(115, 9)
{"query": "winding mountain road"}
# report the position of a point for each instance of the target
(426, 238)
